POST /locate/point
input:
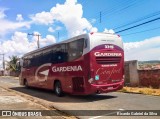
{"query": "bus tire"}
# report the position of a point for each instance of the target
(58, 89)
(26, 83)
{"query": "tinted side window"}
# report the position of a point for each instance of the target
(39, 60)
(75, 49)
(59, 54)
(47, 56)
(36, 60)
(26, 62)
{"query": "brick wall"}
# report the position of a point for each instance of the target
(1, 73)
(149, 78)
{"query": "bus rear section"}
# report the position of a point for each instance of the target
(106, 63)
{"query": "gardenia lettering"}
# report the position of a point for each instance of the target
(107, 54)
(67, 68)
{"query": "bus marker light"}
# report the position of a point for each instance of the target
(97, 77)
(92, 33)
(90, 80)
(118, 35)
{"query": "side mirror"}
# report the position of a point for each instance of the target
(21, 62)
(18, 64)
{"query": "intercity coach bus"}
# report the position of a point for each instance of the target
(85, 64)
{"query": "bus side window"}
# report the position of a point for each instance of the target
(37, 60)
(26, 62)
(47, 57)
(59, 54)
(40, 59)
(75, 49)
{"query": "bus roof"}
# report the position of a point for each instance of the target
(69, 40)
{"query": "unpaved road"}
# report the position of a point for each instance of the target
(110, 101)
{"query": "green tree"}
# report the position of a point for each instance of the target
(11, 65)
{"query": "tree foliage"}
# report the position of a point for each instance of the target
(12, 64)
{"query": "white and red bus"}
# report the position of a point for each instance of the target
(83, 65)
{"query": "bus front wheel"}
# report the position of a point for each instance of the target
(58, 89)
(26, 83)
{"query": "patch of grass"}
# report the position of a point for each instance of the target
(123, 90)
(146, 91)
(140, 91)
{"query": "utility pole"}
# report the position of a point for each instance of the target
(100, 16)
(3, 62)
(38, 35)
(58, 36)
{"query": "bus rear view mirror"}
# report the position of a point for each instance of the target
(21, 62)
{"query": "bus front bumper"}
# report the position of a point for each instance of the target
(107, 87)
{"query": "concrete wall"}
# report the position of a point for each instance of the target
(131, 73)
(144, 78)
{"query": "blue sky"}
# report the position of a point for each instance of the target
(114, 14)
(73, 17)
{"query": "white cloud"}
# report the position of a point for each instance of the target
(19, 17)
(42, 18)
(9, 26)
(2, 14)
(70, 14)
(147, 49)
(109, 31)
(58, 28)
(94, 29)
(20, 44)
(48, 40)
(50, 29)
(93, 21)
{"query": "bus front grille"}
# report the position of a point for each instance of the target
(108, 60)
(78, 84)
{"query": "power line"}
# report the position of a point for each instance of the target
(138, 20)
(141, 31)
(139, 25)
(114, 8)
(111, 11)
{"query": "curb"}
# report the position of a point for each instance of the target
(39, 102)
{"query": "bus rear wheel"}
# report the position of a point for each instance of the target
(58, 89)
(26, 83)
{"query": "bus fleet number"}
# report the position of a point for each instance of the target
(109, 46)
